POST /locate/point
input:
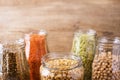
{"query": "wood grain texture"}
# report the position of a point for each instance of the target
(61, 18)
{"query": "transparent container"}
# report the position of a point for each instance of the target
(61, 67)
(84, 44)
(106, 64)
(1, 51)
(14, 62)
(36, 47)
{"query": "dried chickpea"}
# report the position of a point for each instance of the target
(103, 68)
(63, 72)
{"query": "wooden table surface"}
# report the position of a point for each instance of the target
(60, 18)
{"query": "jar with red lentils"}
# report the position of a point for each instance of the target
(106, 64)
(61, 67)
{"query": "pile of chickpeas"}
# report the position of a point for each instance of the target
(62, 69)
(105, 67)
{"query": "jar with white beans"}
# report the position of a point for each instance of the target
(61, 67)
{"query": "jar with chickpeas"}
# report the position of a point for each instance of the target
(61, 67)
(106, 64)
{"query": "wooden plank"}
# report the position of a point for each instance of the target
(60, 18)
(39, 2)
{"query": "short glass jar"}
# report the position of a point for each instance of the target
(61, 67)
(106, 64)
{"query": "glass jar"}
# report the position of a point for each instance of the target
(61, 67)
(1, 51)
(14, 63)
(36, 47)
(84, 44)
(106, 64)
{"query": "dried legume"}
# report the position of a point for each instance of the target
(105, 67)
(60, 70)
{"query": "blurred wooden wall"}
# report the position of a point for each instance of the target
(61, 18)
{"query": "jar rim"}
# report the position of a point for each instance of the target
(19, 41)
(40, 32)
(54, 56)
(85, 31)
(109, 40)
(12, 46)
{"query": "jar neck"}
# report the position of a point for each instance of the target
(13, 46)
(85, 31)
(61, 61)
(106, 44)
(109, 40)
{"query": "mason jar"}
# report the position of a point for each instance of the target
(62, 66)
(14, 62)
(106, 64)
(84, 44)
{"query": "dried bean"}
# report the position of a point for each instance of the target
(106, 67)
(62, 72)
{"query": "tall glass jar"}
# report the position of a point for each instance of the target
(84, 44)
(14, 62)
(61, 67)
(106, 65)
(1, 51)
(36, 47)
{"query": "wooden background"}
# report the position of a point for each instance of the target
(60, 18)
